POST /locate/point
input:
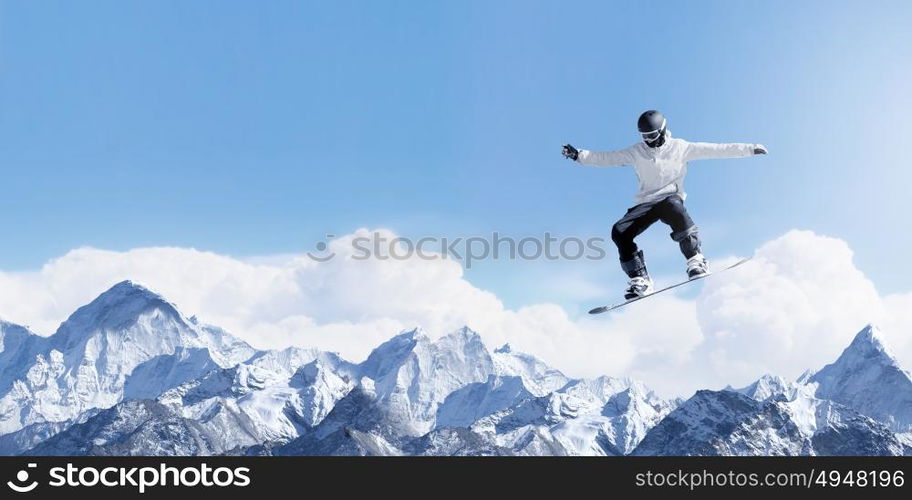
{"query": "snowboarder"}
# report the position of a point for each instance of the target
(660, 163)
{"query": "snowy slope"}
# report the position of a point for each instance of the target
(141, 427)
(602, 416)
(28, 437)
(412, 375)
(278, 395)
(155, 376)
(18, 347)
(359, 424)
(86, 364)
(537, 377)
(770, 386)
(868, 378)
(474, 401)
(730, 423)
(724, 423)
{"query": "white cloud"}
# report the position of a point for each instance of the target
(793, 307)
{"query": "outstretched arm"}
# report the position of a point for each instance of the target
(705, 150)
(598, 158)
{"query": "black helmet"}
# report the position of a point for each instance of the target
(652, 126)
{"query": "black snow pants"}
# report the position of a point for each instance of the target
(669, 210)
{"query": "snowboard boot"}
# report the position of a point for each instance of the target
(640, 283)
(697, 266)
(638, 286)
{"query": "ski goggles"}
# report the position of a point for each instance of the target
(654, 134)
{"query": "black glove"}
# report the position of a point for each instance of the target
(759, 149)
(570, 152)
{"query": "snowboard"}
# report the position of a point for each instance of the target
(599, 310)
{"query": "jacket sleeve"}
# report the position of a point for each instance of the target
(706, 150)
(605, 158)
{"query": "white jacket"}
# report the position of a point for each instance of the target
(661, 170)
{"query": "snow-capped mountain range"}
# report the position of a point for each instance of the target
(128, 374)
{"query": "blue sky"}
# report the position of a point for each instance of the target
(254, 128)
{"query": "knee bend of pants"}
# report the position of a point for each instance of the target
(675, 215)
(689, 240)
(686, 233)
(690, 246)
(625, 244)
(618, 235)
